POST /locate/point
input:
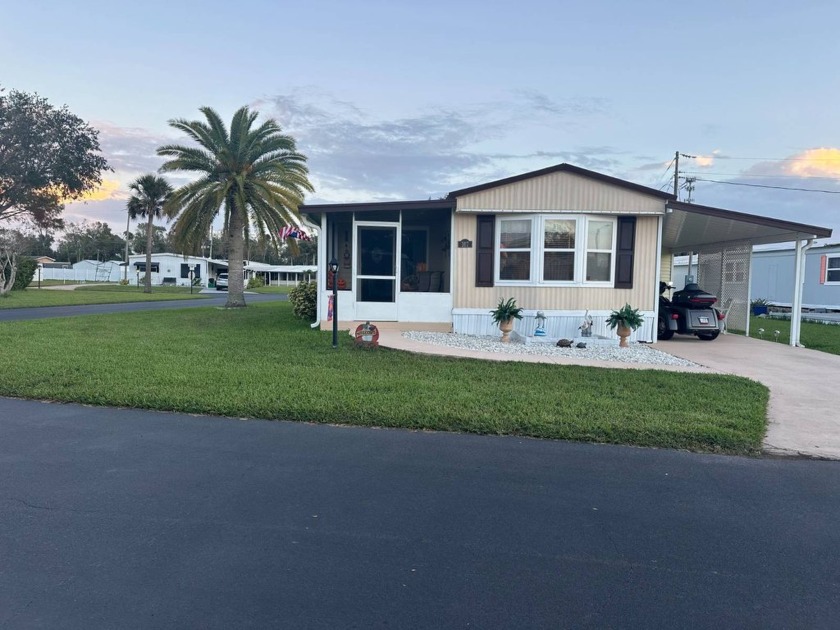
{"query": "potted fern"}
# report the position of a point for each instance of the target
(624, 321)
(504, 314)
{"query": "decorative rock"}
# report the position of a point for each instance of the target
(636, 353)
(564, 343)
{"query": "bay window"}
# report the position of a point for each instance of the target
(555, 249)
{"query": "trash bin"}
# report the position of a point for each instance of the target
(211, 283)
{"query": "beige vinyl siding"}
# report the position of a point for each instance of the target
(561, 192)
(667, 265)
(642, 295)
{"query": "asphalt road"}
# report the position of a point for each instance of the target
(44, 312)
(129, 519)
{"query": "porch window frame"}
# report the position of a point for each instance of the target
(538, 250)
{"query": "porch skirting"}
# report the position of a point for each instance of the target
(561, 324)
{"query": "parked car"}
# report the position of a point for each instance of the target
(222, 282)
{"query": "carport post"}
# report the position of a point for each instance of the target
(798, 282)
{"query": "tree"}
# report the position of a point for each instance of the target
(140, 238)
(255, 174)
(31, 243)
(90, 241)
(307, 253)
(9, 246)
(150, 194)
(47, 156)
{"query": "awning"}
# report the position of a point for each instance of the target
(727, 238)
(688, 227)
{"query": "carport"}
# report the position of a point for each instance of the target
(722, 241)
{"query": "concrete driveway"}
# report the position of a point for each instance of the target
(803, 417)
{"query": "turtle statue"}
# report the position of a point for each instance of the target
(564, 343)
(581, 345)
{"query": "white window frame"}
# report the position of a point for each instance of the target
(531, 250)
(537, 249)
(828, 268)
(611, 251)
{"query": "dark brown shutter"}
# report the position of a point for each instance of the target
(484, 256)
(624, 252)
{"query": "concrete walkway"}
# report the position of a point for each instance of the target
(803, 416)
(64, 287)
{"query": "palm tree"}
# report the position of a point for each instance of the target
(150, 194)
(255, 174)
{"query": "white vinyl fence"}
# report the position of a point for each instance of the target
(102, 274)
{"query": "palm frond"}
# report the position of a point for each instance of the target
(250, 173)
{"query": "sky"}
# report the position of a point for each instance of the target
(395, 100)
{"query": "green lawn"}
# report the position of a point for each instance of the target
(260, 362)
(283, 290)
(91, 294)
(823, 337)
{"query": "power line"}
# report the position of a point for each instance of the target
(759, 176)
(717, 181)
(664, 178)
(764, 159)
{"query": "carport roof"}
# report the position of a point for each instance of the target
(690, 227)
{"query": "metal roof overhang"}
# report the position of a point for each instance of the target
(689, 227)
(431, 204)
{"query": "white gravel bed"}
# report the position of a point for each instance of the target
(636, 353)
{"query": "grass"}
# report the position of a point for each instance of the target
(260, 362)
(284, 290)
(91, 294)
(816, 336)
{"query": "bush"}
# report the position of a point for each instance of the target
(26, 268)
(304, 299)
(256, 282)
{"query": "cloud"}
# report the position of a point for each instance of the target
(766, 188)
(357, 157)
(131, 150)
(108, 189)
(822, 162)
(706, 161)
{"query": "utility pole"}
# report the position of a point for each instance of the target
(689, 186)
(127, 227)
(677, 175)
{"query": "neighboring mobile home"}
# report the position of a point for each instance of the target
(562, 240)
(772, 277)
(174, 269)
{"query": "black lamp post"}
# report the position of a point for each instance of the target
(334, 271)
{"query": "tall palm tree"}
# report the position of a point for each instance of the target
(150, 194)
(254, 173)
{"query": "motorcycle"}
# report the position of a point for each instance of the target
(688, 312)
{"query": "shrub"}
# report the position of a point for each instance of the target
(256, 282)
(26, 268)
(304, 299)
